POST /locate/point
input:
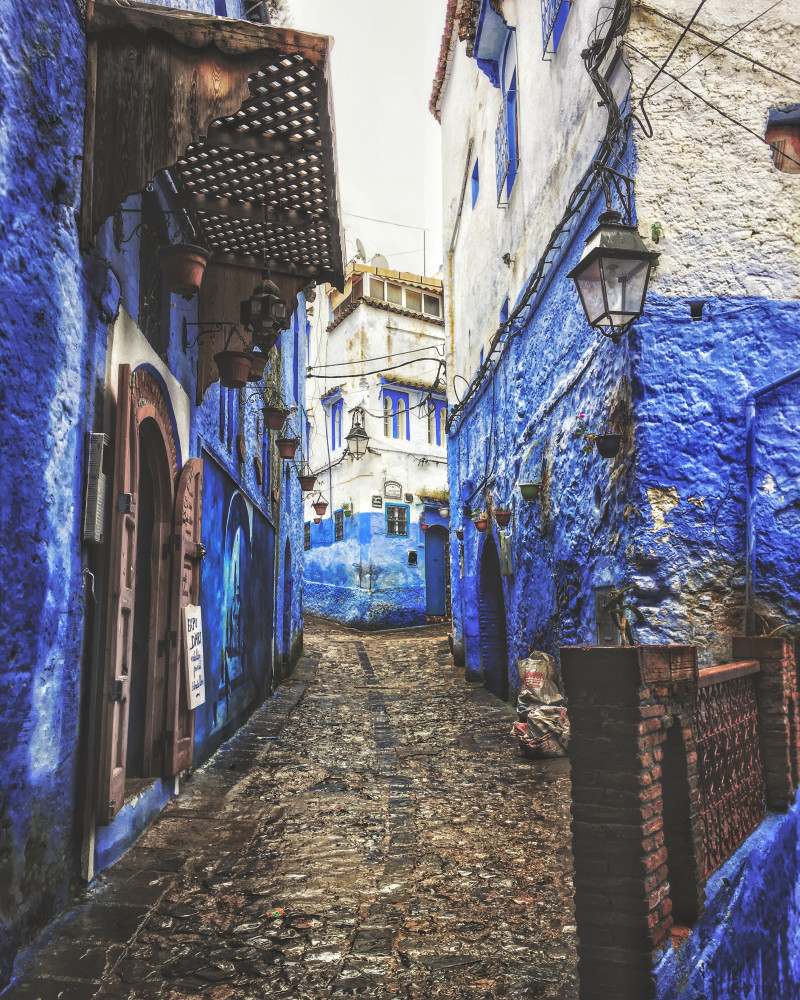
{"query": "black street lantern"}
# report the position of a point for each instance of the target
(358, 439)
(612, 276)
(265, 312)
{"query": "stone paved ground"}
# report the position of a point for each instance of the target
(384, 839)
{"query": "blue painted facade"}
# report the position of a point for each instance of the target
(67, 320)
(365, 580)
(745, 943)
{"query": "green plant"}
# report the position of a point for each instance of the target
(621, 610)
(588, 435)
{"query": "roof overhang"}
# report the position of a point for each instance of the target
(240, 114)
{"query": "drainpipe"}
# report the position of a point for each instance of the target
(750, 510)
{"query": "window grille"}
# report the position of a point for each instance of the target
(554, 14)
(396, 519)
(307, 535)
(501, 151)
(338, 526)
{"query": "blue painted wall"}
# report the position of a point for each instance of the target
(365, 580)
(45, 370)
(667, 513)
(745, 943)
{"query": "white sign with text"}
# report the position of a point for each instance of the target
(193, 655)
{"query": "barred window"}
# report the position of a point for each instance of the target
(307, 535)
(338, 526)
(396, 519)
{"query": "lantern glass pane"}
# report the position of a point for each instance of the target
(625, 283)
(590, 289)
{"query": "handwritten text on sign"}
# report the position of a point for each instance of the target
(193, 655)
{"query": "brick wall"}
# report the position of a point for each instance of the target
(662, 755)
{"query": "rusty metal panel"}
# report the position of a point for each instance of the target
(730, 769)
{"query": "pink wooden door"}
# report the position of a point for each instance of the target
(185, 590)
(115, 689)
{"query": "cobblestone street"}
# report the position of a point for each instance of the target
(371, 832)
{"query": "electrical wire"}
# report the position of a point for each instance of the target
(713, 107)
(388, 222)
(380, 357)
(717, 46)
(378, 371)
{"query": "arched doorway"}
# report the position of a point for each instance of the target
(288, 589)
(492, 621)
(436, 545)
(147, 706)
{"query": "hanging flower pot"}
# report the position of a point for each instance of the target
(287, 446)
(317, 520)
(482, 522)
(529, 491)
(460, 534)
(320, 507)
(503, 516)
(608, 444)
(234, 368)
(183, 266)
(444, 512)
(307, 483)
(424, 526)
(274, 417)
(258, 362)
(348, 513)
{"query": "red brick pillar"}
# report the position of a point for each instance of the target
(617, 704)
(777, 710)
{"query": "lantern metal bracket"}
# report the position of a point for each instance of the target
(213, 326)
(613, 182)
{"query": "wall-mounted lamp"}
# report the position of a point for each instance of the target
(357, 439)
(612, 276)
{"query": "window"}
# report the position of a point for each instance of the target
(396, 421)
(783, 137)
(506, 139)
(554, 17)
(375, 288)
(394, 294)
(338, 525)
(336, 424)
(437, 415)
(413, 300)
(396, 519)
(432, 305)
(307, 535)
(475, 183)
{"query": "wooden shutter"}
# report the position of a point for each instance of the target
(119, 624)
(188, 552)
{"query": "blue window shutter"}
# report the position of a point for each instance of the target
(475, 183)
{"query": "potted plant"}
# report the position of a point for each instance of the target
(183, 265)
(258, 362)
(287, 446)
(503, 516)
(481, 520)
(423, 525)
(529, 491)
(347, 509)
(602, 437)
(306, 478)
(460, 534)
(320, 506)
(317, 520)
(234, 368)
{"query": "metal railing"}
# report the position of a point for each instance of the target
(550, 11)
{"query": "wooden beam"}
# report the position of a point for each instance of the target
(255, 144)
(316, 274)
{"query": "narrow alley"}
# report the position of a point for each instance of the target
(371, 832)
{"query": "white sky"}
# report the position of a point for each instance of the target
(383, 61)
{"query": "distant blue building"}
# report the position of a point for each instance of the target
(135, 483)
(376, 543)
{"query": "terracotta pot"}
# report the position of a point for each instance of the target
(183, 266)
(274, 417)
(460, 534)
(503, 516)
(424, 527)
(306, 483)
(481, 523)
(287, 446)
(317, 520)
(234, 368)
(320, 507)
(608, 444)
(258, 362)
(529, 491)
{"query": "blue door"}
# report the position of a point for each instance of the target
(492, 621)
(435, 570)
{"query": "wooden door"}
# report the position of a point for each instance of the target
(492, 622)
(188, 552)
(115, 687)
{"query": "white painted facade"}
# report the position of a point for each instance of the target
(356, 346)
(736, 241)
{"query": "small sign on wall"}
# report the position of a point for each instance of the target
(377, 501)
(193, 655)
(392, 490)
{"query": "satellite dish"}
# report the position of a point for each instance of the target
(380, 261)
(361, 253)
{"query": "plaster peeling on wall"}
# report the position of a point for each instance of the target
(699, 502)
(663, 500)
(769, 484)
